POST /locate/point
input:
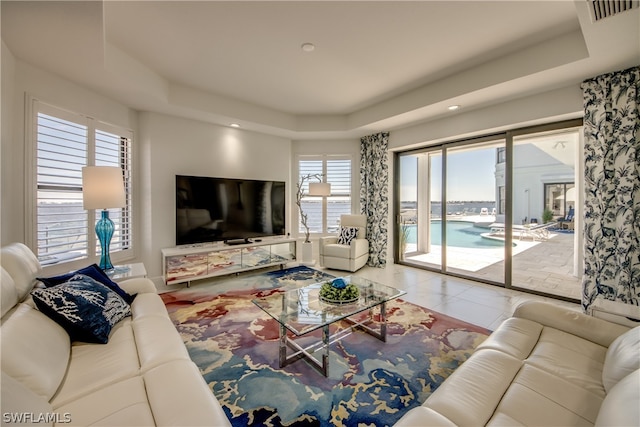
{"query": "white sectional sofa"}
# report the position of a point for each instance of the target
(544, 366)
(142, 376)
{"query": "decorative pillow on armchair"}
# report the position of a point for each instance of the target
(347, 234)
(85, 308)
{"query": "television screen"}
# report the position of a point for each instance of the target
(218, 209)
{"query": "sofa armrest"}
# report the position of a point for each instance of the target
(139, 285)
(615, 311)
(571, 321)
(423, 416)
(358, 247)
(327, 240)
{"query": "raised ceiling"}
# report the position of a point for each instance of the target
(376, 65)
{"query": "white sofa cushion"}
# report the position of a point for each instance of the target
(17, 400)
(516, 337)
(477, 386)
(620, 407)
(35, 350)
(94, 366)
(121, 404)
(537, 397)
(179, 384)
(8, 293)
(623, 357)
(570, 357)
(158, 342)
(148, 304)
(22, 265)
(423, 416)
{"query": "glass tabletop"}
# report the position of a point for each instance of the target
(301, 310)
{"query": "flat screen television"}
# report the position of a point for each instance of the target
(217, 209)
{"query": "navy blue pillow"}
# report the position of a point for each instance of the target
(85, 308)
(96, 273)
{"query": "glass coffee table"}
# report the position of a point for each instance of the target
(302, 311)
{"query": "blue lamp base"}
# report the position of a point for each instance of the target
(104, 231)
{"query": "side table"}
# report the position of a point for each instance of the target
(127, 271)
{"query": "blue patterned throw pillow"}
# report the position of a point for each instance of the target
(85, 308)
(96, 273)
(347, 234)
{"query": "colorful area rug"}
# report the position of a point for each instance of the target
(235, 345)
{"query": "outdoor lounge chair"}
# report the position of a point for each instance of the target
(567, 221)
(539, 231)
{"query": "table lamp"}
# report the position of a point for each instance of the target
(103, 188)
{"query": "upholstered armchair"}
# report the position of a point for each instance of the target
(349, 250)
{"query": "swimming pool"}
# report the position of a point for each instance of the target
(459, 234)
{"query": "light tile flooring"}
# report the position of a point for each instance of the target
(474, 302)
(477, 303)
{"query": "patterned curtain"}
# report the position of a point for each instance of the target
(612, 188)
(374, 197)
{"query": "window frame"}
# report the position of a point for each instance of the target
(34, 107)
(353, 198)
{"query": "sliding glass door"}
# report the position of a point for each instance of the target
(474, 244)
(503, 210)
(449, 202)
(421, 209)
(546, 210)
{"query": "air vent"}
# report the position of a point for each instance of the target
(601, 9)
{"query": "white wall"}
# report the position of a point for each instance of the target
(8, 155)
(554, 105)
(163, 146)
(20, 80)
(173, 146)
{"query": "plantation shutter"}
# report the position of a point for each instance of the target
(339, 203)
(323, 213)
(113, 150)
(66, 142)
(61, 219)
(312, 206)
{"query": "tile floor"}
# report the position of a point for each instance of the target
(477, 303)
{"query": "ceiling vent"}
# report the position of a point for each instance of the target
(601, 9)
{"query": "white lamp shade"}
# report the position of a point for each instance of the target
(102, 187)
(319, 189)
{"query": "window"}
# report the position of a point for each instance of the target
(559, 198)
(64, 143)
(323, 213)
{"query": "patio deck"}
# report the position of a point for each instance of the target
(544, 266)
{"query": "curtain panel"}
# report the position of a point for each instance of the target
(612, 188)
(374, 194)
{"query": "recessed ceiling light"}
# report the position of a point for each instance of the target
(308, 47)
(234, 125)
(453, 107)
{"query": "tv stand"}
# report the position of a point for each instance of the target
(234, 242)
(185, 264)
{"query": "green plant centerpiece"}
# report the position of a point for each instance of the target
(338, 291)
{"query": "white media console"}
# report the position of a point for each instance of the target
(193, 262)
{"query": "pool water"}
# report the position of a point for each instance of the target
(459, 234)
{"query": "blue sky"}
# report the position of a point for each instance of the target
(471, 176)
